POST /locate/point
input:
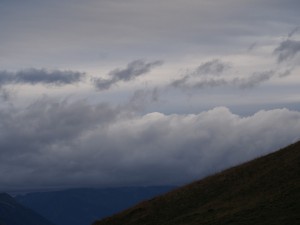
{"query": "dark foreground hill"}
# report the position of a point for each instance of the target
(265, 191)
(83, 206)
(12, 213)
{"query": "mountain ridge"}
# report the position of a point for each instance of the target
(13, 213)
(82, 206)
(262, 191)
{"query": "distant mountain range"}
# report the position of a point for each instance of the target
(265, 191)
(12, 213)
(83, 206)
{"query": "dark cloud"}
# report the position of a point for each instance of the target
(142, 98)
(57, 77)
(5, 94)
(243, 83)
(40, 76)
(201, 76)
(294, 31)
(253, 80)
(213, 67)
(51, 121)
(66, 143)
(102, 84)
(133, 70)
(287, 50)
(187, 82)
(210, 83)
(252, 46)
(285, 73)
(73, 144)
(6, 77)
(156, 94)
(181, 82)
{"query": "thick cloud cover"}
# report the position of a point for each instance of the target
(40, 76)
(73, 144)
(133, 70)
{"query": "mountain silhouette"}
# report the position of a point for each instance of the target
(13, 213)
(83, 206)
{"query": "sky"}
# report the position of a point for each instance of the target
(106, 93)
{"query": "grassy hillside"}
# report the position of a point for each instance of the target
(264, 191)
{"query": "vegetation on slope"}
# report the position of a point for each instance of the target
(263, 191)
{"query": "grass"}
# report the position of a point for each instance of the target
(263, 191)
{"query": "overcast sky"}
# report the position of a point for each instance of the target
(102, 93)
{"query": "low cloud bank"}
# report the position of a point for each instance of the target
(74, 144)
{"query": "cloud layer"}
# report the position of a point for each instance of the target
(74, 144)
(217, 50)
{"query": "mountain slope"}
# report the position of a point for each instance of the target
(83, 206)
(263, 191)
(12, 213)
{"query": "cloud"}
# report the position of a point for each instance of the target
(75, 144)
(181, 82)
(142, 98)
(102, 84)
(213, 67)
(201, 77)
(40, 76)
(190, 27)
(207, 69)
(133, 70)
(251, 47)
(5, 94)
(210, 83)
(294, 31)
(253, 80)
(286, 73)
(287, 50)
(187, 82)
